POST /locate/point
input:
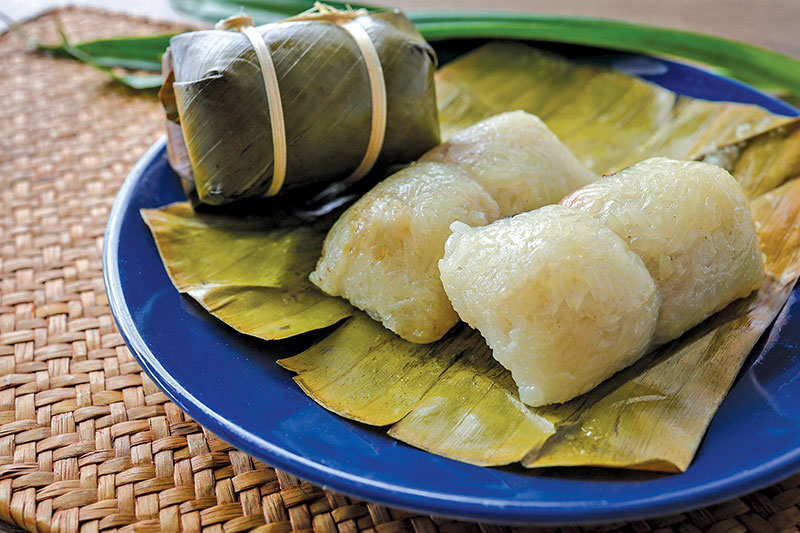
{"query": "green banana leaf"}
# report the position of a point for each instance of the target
(451, 397)
(107, 57)
(762, 68)
(262, 12)
(757, 66)
(134, 53)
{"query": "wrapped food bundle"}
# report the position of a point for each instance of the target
(318, 98)
(568, 295)
(382, 253)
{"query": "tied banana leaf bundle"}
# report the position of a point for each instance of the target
(321, 97)
(451, 397)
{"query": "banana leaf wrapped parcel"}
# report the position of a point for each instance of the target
(351, 91)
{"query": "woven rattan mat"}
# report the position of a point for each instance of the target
(87, 441)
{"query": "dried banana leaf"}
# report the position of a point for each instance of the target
(367, 373)
(254, 280)
(763, 162)
(451, 397)
(651, 416)
(610, 120)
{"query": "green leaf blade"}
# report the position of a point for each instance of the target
(135, 53)
(262, 12)
(751, 64)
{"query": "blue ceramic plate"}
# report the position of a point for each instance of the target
(229, 383)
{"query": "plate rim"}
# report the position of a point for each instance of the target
(466, 508)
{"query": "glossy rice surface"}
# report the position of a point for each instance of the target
(562, 301)
(382, 253)
(517, 159)
(690, 222)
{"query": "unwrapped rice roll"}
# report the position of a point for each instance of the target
(382, 253)
(562, 301)
(517, 159)
(690, 223)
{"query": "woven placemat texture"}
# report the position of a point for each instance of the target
(87, 441)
